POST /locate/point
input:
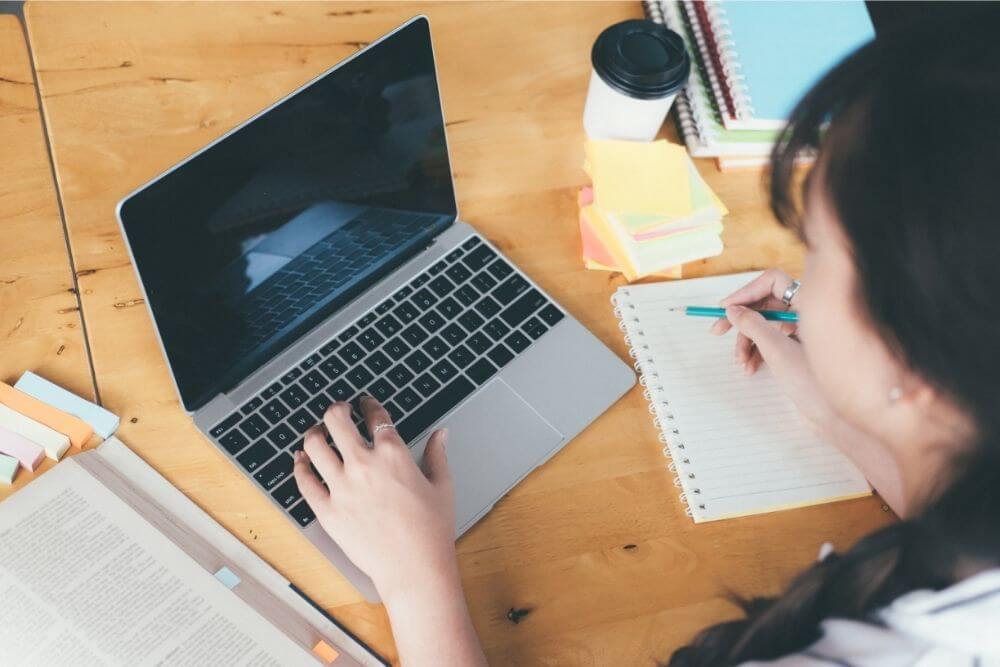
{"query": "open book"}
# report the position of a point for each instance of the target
(103, 562)
(737, 443)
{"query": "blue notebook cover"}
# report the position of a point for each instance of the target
(783, 48)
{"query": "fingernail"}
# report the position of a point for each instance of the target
(444, 436)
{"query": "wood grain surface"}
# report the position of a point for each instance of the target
(592, 554)
(40, 328)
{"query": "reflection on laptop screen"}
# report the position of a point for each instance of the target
(247, 245)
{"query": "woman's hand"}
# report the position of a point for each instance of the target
(397, 523)
(394, 521)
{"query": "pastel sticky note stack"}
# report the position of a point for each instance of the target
(77, 430)
(8, 468)
(649, 212)
(28, 453)
(103, 422)
(54, 443)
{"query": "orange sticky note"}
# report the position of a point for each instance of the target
(325, 652)
(77, 430)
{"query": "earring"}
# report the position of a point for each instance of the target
(895, 394)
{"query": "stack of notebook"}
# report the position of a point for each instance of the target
(649, 210)
(753, 62)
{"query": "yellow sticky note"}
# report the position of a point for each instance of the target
(325, 652)
(640, 177)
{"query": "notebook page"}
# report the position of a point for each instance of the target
(745, 449)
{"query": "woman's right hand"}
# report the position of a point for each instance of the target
(759, 341)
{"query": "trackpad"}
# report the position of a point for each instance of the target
(494, 440)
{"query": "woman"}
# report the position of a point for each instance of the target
(895, 361)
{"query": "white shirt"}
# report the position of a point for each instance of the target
(959, 625)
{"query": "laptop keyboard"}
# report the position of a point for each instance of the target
(420, 352)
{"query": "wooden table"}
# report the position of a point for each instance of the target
(40, 326)
(594, 546)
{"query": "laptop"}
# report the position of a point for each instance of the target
(315, 253)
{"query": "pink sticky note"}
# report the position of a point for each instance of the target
(22, 449)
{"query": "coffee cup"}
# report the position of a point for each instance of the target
(638, 67)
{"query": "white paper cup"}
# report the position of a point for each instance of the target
(638, 67)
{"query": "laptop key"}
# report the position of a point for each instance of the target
(281, 436)
(377, 362)
(234, 442)
(500, 355)
(479, 257)
(500, 269)
(432, 410)
(402, 293)
(449, 308)
(454, 334)
(381, 389)
(441, 286)
(253, 426)
(226, 424)
(328, 349)
(479, 343)
(370, 339)
(252, 405)
(471, 243)
(406, 312)
(396, 348)
(317, 406)
(388, 326)
(302, 421)
(510, 289)
(347, 334)
(351, 353)
(534, 328)
(423, 299)
(453, 255)
(359, 376)
(384, 307)
(417, 361)
(291, 376)
(333, 368)
(314, 382)
(310, 361)
(420, 280)
(256, 456)
(466, 294)
(394, 412)
(517, 341)
(294, 396)
(426, 385)
(275, 472)
(481, 371)
(367, 319)
(432, 321)
(274, 411)
(487, 307)
(437, 268)
(400, 375)
(471, 320)
(435, 347)
(461, 356)
(527, 304)
(444, 371)
(341, 391)
(271, 391)
(458, 274)
(414, 335)
(407, 399)
(302, 514)
(550, 314)
(496, 329)
(287, 494)
(484, 282)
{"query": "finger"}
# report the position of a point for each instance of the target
(744, 346)
(788, 328)
(343, 431)
(374, 414)
(771, 283)
(321, 454)
(768, 339)
(720, 326)
(435, 463)
(309, 484)
(754, 363)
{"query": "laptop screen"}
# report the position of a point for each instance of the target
(248, 244)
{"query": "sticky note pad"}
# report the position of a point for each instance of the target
(8, 468)
(227, 577)
(77, 430)
(13, 444)
(54, 443)
(103, 422)
(325, 652)
(640, 177)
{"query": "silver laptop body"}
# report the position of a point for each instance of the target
(500, 428)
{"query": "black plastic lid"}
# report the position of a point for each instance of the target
(642, 59)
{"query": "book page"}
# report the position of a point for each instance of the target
(738, 442)
(86, 581)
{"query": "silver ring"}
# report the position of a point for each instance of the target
(790, 292)
(381, 427)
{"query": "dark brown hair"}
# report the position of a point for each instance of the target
(909, 167)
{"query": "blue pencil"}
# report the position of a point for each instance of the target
(710, 311)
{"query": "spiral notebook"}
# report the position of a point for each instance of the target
(737, 444)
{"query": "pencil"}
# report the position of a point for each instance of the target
(710, 311)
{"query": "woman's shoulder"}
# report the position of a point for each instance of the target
(957, 625)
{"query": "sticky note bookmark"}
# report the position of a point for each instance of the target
(103, 422)
(8, 468)
(227, 577)
(54, 443)
(325, 652)
(77, 430)
(22, 449)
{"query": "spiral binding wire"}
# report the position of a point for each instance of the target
(730, 61)
(674, 448)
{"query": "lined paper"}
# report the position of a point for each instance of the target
(738, 443)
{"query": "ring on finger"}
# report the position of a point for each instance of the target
(790, 292)
(382, 427)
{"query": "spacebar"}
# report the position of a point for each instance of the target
(440, 403)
